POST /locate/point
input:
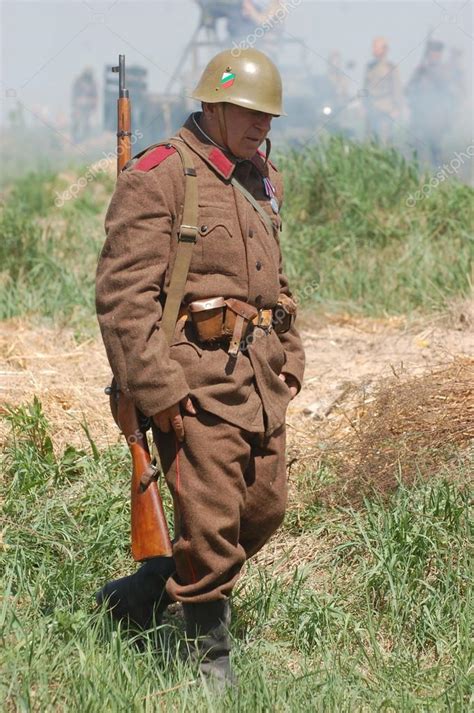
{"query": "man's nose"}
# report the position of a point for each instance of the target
(264, 121)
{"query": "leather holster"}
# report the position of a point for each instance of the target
(238, 316)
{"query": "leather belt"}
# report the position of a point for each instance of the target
(263, 319)
(225, 322)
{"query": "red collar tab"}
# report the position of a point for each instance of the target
(154, 158)
(221, 163)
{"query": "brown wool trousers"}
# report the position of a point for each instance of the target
(229, 491)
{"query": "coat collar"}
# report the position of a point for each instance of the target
(221, 161)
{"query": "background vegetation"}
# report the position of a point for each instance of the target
(48, 255)
(350, 240)
(350, 216)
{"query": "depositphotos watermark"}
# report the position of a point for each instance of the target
(99, 166)
(276, 18)
(443, 172)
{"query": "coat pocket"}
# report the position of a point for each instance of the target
(219, 248)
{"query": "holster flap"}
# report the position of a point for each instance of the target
(243, 309)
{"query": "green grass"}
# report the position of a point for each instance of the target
(349, 240)
(376, 616)
(348, 224)
(48, 254)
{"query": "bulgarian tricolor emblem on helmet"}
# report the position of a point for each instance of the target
(227, 79)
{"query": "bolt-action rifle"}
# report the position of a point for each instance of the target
(150, 535)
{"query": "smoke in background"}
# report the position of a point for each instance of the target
(396, 72)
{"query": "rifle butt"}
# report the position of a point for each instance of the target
(150, 535)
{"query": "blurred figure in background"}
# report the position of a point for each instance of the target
(383, 93)
(260, 11)
(242, 16)
(431, 98)
(84, 104)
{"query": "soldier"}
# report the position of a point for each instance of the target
(242, 16)
(217, 398)
(261, 11)
(431, 97)
(383, 94)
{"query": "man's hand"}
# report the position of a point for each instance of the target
(171, 417)
(291, 382)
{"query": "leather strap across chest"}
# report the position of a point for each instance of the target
(262, 213)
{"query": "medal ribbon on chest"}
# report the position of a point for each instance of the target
(269, 189)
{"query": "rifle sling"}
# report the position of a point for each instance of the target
(264, 216)
(187, 235)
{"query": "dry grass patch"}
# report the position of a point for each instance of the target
(414, 426)
(66, 376)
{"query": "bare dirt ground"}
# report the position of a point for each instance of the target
(346, 353)
(346, 358)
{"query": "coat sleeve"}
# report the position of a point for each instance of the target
(291, 340)
(130, 278)
(292, 343)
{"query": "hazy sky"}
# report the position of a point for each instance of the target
(46, 44)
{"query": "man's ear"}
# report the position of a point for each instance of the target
(208, 109)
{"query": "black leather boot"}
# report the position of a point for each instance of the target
(207, 631)
(140, 596)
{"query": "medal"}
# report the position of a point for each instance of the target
(270, 193)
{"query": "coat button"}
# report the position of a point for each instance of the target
(251, 233)
(204, 228)
(258, 265)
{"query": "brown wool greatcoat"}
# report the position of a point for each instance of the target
(235, 256)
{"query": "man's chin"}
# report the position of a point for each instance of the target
(248, 151)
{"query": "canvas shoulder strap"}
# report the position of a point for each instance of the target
(187, 235)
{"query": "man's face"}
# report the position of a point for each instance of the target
(246, 128)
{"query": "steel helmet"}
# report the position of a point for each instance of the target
(245, 77)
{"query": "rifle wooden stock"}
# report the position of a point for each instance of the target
(124, 123)
(150, 535)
